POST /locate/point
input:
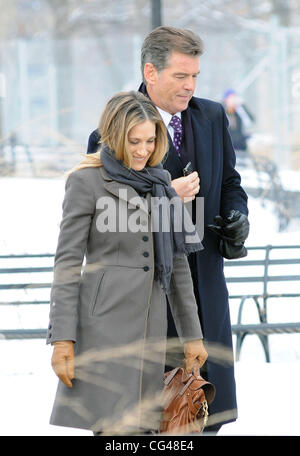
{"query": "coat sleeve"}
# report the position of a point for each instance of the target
(233, 195)
(78, 210)
(182, 301)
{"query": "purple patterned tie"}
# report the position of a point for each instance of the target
(175, 122)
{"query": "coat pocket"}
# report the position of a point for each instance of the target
(96, 293)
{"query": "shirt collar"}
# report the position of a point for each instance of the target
(166, 116)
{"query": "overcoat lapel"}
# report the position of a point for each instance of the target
(202, 144)
(172, 161)
(124, 192)
(202, 131)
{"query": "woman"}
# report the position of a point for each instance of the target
(112, 316)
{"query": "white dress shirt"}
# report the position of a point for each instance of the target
(166, 117)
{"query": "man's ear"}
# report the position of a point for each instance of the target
(150, 73)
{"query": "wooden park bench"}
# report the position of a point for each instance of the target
(257, 282)
(25, 282)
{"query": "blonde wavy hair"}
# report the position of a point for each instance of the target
(124, 111)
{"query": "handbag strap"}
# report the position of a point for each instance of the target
(171, 375)
(192, 405)
(186, 386)
(196, 369)
(204, 406)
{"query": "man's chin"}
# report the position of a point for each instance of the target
(182, 106)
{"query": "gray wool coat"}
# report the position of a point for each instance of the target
(105, 299)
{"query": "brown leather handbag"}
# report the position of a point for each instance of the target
(185, 402)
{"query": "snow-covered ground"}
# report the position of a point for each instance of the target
(268, 393)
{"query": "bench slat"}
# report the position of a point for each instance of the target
(25, 270)
(23, 333)
(290, 278)
(267, 328)
(236, 263)
(22, 303)
(24, 286)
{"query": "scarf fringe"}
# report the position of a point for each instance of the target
(186, 249)
(163, 274)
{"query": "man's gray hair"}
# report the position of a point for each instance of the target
(159, 44)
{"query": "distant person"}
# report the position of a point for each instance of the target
(240, 120)
(197, 133)
(110, 315)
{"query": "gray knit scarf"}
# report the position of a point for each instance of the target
(167, 244)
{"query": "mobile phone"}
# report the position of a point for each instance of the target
(188, 169)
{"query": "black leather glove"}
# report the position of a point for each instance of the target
(233, 231)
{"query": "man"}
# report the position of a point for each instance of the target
(240, 119)
(170, 60)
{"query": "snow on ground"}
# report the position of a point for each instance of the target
(268, 393)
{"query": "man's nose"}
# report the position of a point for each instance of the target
(189, 84)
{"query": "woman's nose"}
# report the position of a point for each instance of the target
(142, 151)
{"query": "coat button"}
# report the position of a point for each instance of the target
(49, 327)
(50, 335)
(145, 238)
(146, 254)
(146, 268)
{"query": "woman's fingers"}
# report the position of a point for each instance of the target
(194, 350)
(63, 361)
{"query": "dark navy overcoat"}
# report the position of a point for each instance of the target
(220, 185)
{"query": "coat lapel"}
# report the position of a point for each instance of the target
(202, 131)
(124, 192)
(171, 160)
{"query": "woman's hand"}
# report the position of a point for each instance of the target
(194, 350)
(63, 361)
(187, 187)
